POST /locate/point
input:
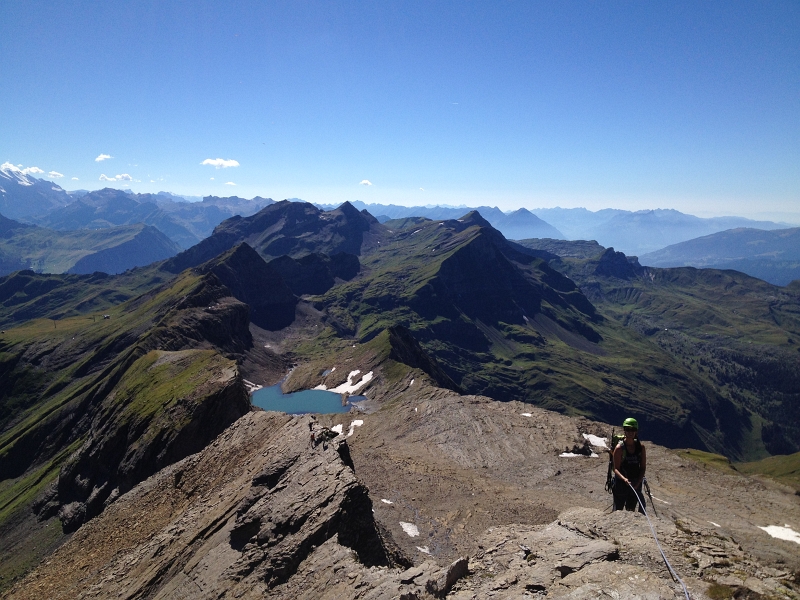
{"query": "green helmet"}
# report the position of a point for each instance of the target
(630, 422)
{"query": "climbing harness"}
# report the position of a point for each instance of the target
(652, 529)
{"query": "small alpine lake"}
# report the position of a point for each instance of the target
(298, 403)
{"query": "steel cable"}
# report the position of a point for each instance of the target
(655, 537)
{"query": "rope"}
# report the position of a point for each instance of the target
(664, 556)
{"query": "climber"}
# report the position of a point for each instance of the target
(630, 464)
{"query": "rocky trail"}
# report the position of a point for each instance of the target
(436, 495)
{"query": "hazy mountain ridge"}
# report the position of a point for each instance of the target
(111, 250)
(23, 196)
(632, 232)
(773, 256)
(42, 202)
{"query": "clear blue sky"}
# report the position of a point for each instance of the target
(688, 105)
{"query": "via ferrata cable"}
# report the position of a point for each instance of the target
(655, 537)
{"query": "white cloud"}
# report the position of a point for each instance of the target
(220, 163)
(122, 177)
(75, 179)
(103, 157)
(212, 179)
(422, 189)
(365, 182)
(55, 175)
(229, 183)
(8, 167)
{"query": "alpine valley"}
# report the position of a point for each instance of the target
(134, 465)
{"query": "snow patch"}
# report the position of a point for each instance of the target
(782, 533)
(595, 441)
(410, 529)
(349, 387)
(526, 414)
(251, 387)
(353, 425)
(714, 524)
(573, 455)
(337, 428)
(423, 549)
(385, 501)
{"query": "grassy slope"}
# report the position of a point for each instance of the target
(783, 468)
(64, 363)
(25, 295)
(625, 373)
(738, 334)
(49, 251)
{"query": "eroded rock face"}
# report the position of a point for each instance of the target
(306, 495)
(587, 554)
(262, 511)
(133, 436)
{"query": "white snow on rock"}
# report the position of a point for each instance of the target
(526, 414)
(595, 441)
(409, 528)
(714, 524)
(353, 425)
(423, 549)
(385, 501)
(337, 428)
(782, 533)
(349, 387)
(573, 455)
(251, 387)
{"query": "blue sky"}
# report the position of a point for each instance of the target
(687, 105)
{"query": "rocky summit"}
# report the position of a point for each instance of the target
(483, 378)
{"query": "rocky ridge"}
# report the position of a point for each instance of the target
(483, 508)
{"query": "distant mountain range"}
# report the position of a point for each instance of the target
(23, 196)
(185, 223)
(634, 233)
(641, 233)
(110, 250)
(773, 256)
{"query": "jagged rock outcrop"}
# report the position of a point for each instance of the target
(405, 349)
(292, 228)
(316, 273)
(257, 284)
(587, 554)
(616, 264)
(253, 515)
(167, 405)
(266, 511)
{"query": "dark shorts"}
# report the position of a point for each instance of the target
(625, 498)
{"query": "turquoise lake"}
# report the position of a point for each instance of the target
(298, 403)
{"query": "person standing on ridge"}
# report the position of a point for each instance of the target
(630, 464)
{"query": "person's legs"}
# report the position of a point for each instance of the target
(632, 501)
(620, 495)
